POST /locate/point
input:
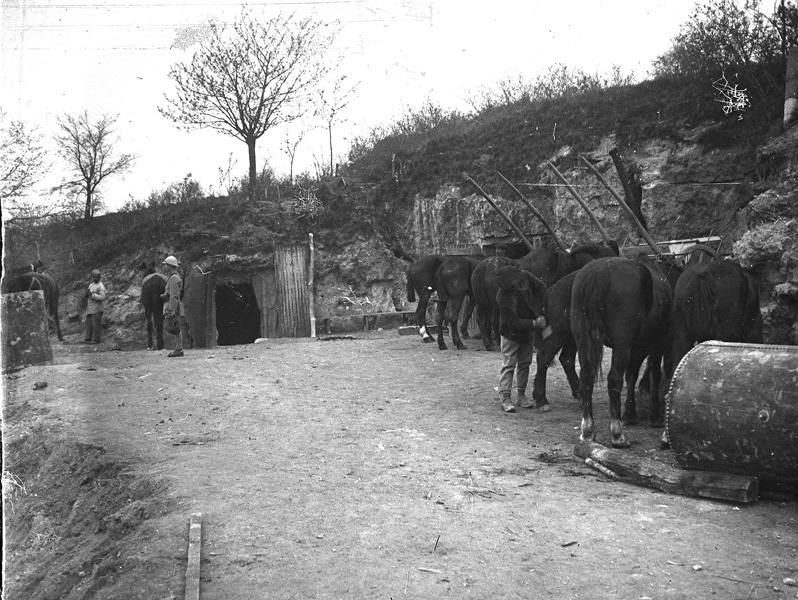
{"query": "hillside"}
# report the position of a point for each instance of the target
(702, 173)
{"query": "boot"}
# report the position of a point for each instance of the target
(523, 401)
(174, 353)
(507, 403)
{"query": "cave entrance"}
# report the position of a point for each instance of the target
(237, 314)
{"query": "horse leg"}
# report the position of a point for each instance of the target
(148, 316)
(483, 321)
(421, 316)
(441, 317)
(494, 324)
(470, 303)
(588, 426)
(57, 324)
(630, 406)
(656, 418)
(158, 316)
(568, 362)
(454, 314)
(547, 350)
(620, 360)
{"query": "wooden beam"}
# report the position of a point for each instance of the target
(582, 203)
(653, 473)
(503, 214)
(536, 212)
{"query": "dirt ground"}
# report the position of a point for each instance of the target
(373, 467)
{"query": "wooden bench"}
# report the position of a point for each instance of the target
(368, 318)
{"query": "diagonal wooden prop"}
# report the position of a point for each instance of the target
(503, 214)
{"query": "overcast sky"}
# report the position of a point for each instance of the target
(64, 56)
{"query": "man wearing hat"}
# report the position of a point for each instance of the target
(172, 302)
(520, 299)
(94, 309)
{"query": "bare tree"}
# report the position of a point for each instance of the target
(245, 80)
(331, 102)
(290, 148)
(22, 165)
(88, 149)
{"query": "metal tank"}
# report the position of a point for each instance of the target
(734, 408)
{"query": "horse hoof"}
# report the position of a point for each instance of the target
(621, 444)
(427, 340)
(461, 346)
(443, 347)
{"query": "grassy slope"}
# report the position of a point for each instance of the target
(515, 139)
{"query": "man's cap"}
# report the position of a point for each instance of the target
(95, 272)
(170, 260)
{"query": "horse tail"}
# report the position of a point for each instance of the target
(647, 290)
(411, 291)
(698, 308)
(592, 293)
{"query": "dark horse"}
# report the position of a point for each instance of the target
(548, 264)
(625, 305)
(153, 285)
(453, 283)
(483, 284)
(421, 281)
(551, 265)
(713, 301)
(30, 280)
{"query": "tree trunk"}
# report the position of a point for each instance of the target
(329, 130)
(87, 212)
(253, 175)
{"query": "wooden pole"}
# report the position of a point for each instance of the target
(503, 214)
(536, 212)
(583, 204)
(791, 88)
(642, 230)
(311, 295)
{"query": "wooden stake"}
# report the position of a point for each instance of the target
(583, 204)
(194, 556)
(503, 214)
(536, 212)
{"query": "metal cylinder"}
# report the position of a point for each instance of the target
(734, 408)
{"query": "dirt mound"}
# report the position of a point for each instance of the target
(73, 512)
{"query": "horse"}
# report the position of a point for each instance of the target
(557, 310)
(547, 264)
(30, 280)
(35, 266)
(421, 281)
(624, 304)
(551, 265)
(152, 286)
(713, 301)
(453, 283)
(483, 285)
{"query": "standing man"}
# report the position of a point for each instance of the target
(520, 298)
(94, 308)
(172, 303)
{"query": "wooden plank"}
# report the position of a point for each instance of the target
(652, 473)
(194, 557)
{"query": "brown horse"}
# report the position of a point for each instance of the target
(421, 281)
(624, 304)
(153, 285)
(31, 280)
(483, 284)
(453, 283)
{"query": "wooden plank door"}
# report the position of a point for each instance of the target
(291, 266)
